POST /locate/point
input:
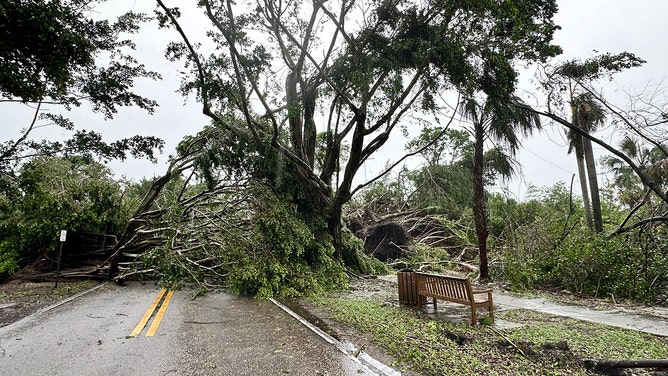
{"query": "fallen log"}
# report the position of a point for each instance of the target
(607, 364)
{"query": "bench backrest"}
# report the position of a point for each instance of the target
(454, 289)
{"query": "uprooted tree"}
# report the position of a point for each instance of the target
(306, 80)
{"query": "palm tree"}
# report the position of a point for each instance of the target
(652, 161)
(588, 115)
(575, 145)
(498, 121)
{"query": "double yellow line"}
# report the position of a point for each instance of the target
(159, 301)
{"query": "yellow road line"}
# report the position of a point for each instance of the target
(147, 315)
(159, 315)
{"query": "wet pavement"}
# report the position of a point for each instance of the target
(222, 334)
(243, 336)
(215, 334)
(643, 323)
(505, 301)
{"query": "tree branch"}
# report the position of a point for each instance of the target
(12, 149)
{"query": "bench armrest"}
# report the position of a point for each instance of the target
(482, 291)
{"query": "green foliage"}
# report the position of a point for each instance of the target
(398, 50)
(601, 66)
(283, 257)
(422, 253)
(48, 52)
(442, 188)
(650, 159)
(441, 146)
(8, 261)
(52, 52)
(544, 250)
(386, 194)
(52, 194)
(621, 266)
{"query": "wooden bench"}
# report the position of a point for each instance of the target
(456, 290)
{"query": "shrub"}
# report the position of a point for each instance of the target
(52, 194)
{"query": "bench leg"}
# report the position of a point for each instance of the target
(491, 306)
(474, 318)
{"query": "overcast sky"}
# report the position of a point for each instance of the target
(587, 25)
(605, 26)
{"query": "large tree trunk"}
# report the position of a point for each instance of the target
(591, 172)
(347, 255)
(579, 156)
(343, 195)
(593, 186)
(479, 206)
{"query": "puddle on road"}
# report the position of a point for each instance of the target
(308, 316)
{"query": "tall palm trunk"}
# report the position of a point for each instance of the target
(593, 186)
(479, 204)
(591, 170)
(582, 173)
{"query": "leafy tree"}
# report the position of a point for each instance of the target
(233, 226)
(52, 194)
(279, 65)
(52, 52)
(574, 78)
(441, 146)
(651, 160)
(644, 119)
(444, 185)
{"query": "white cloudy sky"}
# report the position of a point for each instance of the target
(587, 25)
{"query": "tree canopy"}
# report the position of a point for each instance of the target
(56, 53)
(353, 71)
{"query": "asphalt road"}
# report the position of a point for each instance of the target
(217, 334)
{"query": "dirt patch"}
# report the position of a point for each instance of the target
(19, 298)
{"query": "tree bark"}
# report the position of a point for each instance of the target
(343, 194)
(605, 364)
(479, 205)
(591, 172)
(579, 156)
(593, 187)
(348, 256)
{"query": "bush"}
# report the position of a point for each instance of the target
(621, 266)
(52, 194)
(8, 263)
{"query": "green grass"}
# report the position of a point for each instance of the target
(552, 345)
(31, 291)
(587, 339)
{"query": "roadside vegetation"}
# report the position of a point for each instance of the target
(19, 299)
(543, 345)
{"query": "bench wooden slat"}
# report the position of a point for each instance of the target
(456, 290)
